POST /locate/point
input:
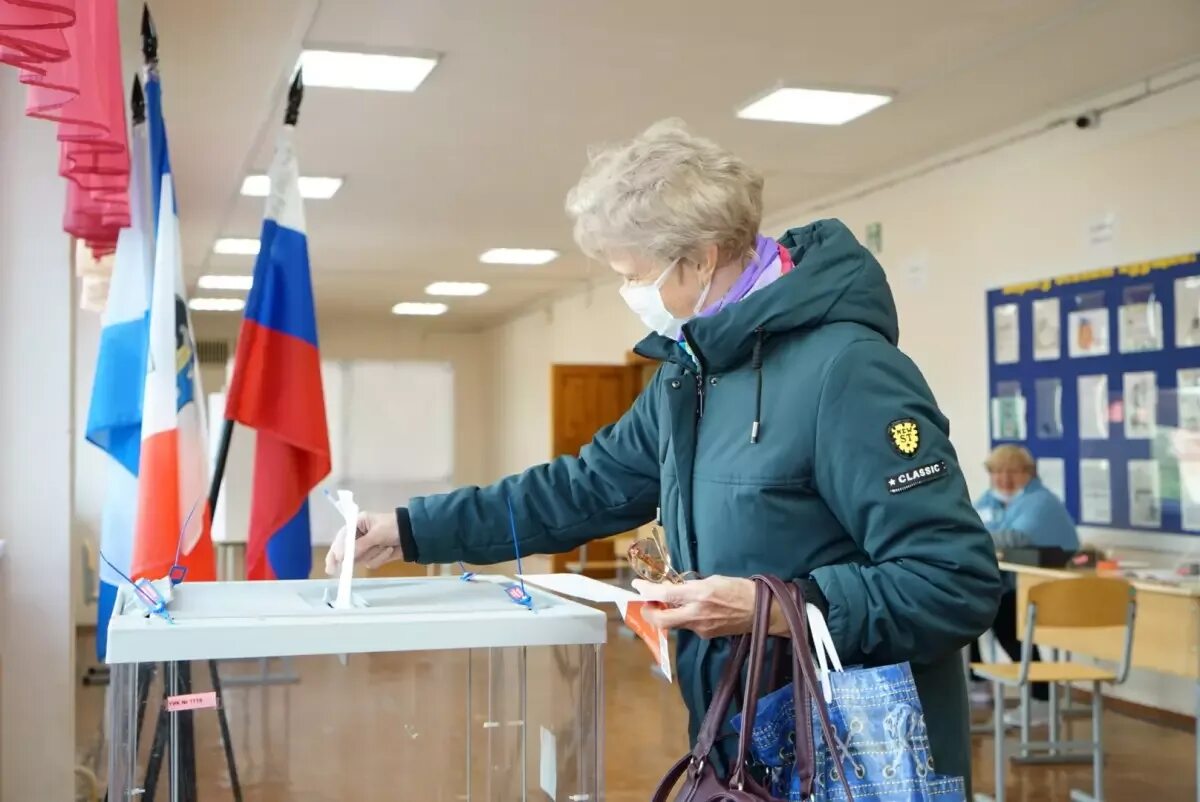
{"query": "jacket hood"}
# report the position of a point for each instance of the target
(834, 279)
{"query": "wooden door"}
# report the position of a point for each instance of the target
(583, 400)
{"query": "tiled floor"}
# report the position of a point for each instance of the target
(361, 732)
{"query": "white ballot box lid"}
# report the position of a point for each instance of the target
(230, 620)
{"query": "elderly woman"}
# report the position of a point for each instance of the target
(784, 433)
(1020, 511)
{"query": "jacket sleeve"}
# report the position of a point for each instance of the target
(611, 487)
(928, 582)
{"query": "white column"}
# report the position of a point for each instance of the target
(37, 637)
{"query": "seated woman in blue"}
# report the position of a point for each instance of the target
(1018, 510)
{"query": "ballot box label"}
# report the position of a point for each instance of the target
(191, 701)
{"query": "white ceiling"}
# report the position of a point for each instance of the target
(484, 152)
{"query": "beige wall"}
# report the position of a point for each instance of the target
(1018, 212)
(37, 656)
(590, 327)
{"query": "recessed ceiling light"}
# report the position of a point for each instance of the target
(236, 246)
(342, 70)
(460, 288)
(518, 256)
(311, 186)
(214, 282)
(812, 106)
(418, 308)
(217, 304)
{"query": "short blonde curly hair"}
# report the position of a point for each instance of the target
(663, 195)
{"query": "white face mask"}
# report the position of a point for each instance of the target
(645, 300)
(1004, 498)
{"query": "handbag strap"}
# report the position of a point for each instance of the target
(758, 650)
(718, 708)
(760, 635)
(802, 661)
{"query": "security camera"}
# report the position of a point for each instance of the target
(1089, 119)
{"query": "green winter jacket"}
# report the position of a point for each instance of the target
(799, 442)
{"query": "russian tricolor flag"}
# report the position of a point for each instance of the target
(115, 413)
(276, 386)
(173, 469)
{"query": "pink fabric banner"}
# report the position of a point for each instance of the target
(69, 55)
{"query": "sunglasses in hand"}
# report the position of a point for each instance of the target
(651, 561)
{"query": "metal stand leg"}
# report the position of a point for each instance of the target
(1054, 715)
(998, 734)
(1098, 738)
(1025, 689)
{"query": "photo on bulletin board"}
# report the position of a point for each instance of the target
(1047, 406)
(1145, 498)
(1052, 471)
(1140, 405)
(1008, 412)
(1187, 312)
(1006, 336)
(1140, 326)
(1047, 330)
(1093, 407)
(1087, 325)
(1095, 492)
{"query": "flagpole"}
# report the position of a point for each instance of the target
(184, 762)
(290, 117)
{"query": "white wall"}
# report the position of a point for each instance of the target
(1019, 212)
(37, 688)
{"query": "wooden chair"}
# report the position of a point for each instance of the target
(1063, 605)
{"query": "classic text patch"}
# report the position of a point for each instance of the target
(905, 437)
(917, 477)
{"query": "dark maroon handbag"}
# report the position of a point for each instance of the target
(700, 781)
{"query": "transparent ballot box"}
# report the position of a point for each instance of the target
(428, 689)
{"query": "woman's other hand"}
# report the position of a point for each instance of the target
(710, 607)
(378, 542)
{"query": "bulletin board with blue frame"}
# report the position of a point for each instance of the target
(1098, 375)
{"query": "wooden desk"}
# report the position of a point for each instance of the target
(1166, 633)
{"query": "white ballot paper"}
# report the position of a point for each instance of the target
(349, 510)
(629, 604)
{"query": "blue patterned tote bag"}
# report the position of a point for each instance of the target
(880, 743)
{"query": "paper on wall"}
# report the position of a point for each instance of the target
(1093, 407)
(1187, 396)
(1140, 328)
(1008, 417)
(1187, 311)
(629, 604)
(1145, 499)
(1047, 330)
(1140, 404)
(1095, 492)
(1052, 472)
(1088, 332)
(1005, 334)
